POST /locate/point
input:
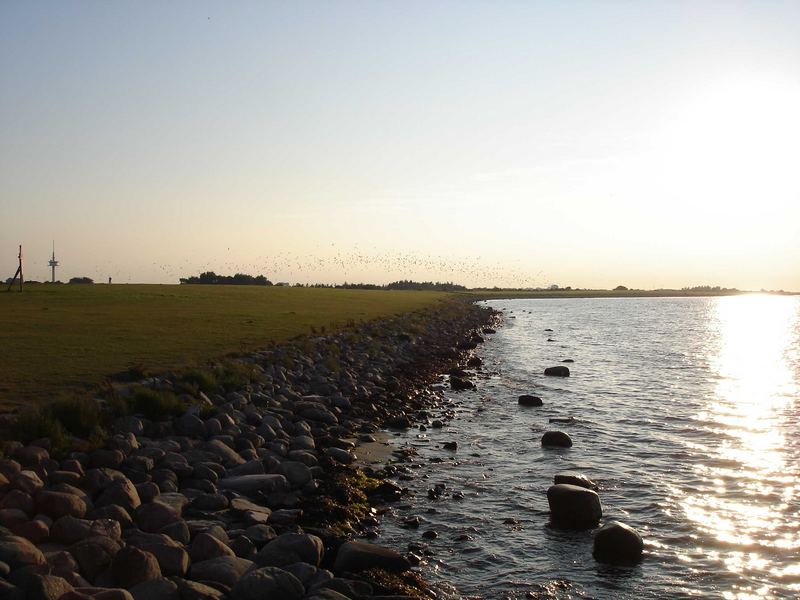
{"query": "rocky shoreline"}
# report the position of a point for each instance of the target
(250, 493)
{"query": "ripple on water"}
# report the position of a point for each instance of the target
(687, 412)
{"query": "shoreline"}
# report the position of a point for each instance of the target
(262, 486)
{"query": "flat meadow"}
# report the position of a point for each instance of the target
(59, 340)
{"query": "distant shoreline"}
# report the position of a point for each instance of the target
(534, 294)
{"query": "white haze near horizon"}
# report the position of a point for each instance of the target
(591, 144)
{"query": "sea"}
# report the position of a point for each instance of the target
(686, 414)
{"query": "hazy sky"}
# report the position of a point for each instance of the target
(512, 143)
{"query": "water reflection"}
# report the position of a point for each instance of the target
(746, 509)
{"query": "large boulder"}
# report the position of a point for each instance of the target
(291, 548)
(618, 543)
(132, 566)
(18, 552)
(556, 439)
(205, 546)
(250, 484)
(45, 587)
(226, 570)
(59, 504)
(354, 556)
(268, 582)
(155, 589)
(172, 558)
(559, 371)
(155, 516)
(573, 507)
(69, 530)
(94, 555)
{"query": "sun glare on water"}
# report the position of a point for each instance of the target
(748, 511)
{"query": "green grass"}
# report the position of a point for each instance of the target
(56, 341)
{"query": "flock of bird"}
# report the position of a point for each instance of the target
(339, 266)
(330, 266)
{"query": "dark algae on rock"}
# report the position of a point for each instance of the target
(238, 481)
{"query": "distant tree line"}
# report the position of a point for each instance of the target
(211, 278)
(74, 280)
(708, 288)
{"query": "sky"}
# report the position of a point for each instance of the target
(583, 143)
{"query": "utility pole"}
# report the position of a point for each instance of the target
(18, 273)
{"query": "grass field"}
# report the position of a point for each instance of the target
(58, 340)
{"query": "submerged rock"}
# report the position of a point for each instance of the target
(618, 543)
(557, 439)
(528, 400)
(573, 478)
(559, 371)
(573, 507)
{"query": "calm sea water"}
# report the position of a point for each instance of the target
(687, 414)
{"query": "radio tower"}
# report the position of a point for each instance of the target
(53, 263)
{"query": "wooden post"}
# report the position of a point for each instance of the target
(18, 273)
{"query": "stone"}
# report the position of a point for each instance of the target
(31, 456)
(226, 570)
(210, 502)
(94, 555)
(296, 473)
(461, 383)
(120, 492)
(148, 491)
(132, 425)
(268, 582)
(528, 400)
(9, 591)
(45, 587)
(155, 516)
(132, 566)
(557, 439)
(17, 499)
(114, 512)
(35, 531)
(559, 371)
(617, 543)
(573, 507)
(291, 548)
(355, 556)
(192, 590)
(243, 547)
(99, 479)
(28, 482)
(155, 589)
(12, 516)
(339, 455)
(191, 425)
(69, 530)
(18, 552)
(59, 504)
(250, 484)
(172, 559)
(205, 546)
(104, 458)
(573, 478)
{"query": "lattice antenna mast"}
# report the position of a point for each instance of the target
(53, 264)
